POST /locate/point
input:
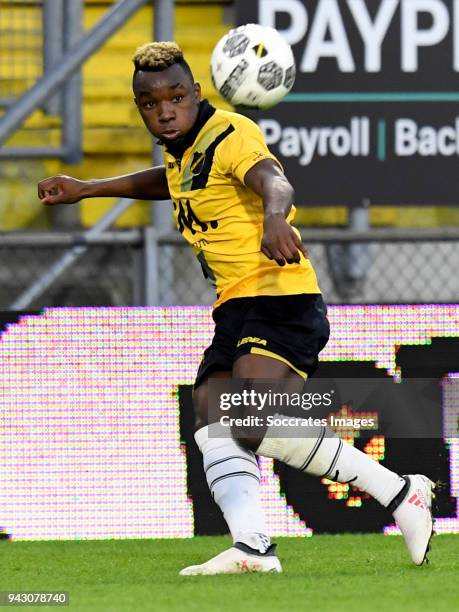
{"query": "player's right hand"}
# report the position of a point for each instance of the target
(60, 189)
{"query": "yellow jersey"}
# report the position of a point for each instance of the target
(220, 216)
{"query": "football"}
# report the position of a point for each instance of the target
(253, 66)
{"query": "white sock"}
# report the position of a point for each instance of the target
(234, 481)
(325, 455)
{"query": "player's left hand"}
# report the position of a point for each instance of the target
(280, 242)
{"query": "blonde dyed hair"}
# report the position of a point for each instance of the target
(157, 56)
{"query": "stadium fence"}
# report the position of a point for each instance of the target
(139, 267)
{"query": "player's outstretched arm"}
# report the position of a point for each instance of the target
(148, 184)
(280, 242)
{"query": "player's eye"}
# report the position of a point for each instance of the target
(149, 105)
(178, 98)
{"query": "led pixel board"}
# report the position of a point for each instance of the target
(91, 436)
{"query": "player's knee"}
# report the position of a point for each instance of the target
(249, 443)
(200, 403)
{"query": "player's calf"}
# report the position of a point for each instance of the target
(233, 477)
(325, 455)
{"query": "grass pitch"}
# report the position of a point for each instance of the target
(322, 573)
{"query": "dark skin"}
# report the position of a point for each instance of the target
(168, 102)
(250, 366)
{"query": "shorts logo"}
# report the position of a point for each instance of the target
(252, 340)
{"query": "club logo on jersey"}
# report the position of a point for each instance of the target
(187, 218)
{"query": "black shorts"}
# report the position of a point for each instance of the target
(291, 328)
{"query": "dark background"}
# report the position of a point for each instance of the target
(330, 180)
(306, 494)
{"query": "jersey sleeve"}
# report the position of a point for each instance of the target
(244, 148)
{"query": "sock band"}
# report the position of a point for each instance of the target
(334, 462)
(270, 551)
(397, 500)
(314, 450)
(231, 475)
(211, 465)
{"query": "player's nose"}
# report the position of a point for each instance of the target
(166, 111)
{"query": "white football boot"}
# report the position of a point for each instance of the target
(413, 515)
(240, 559)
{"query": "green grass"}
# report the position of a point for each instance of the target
(344, 572)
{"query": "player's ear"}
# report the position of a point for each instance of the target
(197, 91)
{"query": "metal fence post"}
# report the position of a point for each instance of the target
(151, 267)
(349, 263)
(53, 47)
(358, 256)
(163, 29)
(72, 98)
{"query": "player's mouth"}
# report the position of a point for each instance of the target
(170, 134)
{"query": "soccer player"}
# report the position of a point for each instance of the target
(234, 206)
